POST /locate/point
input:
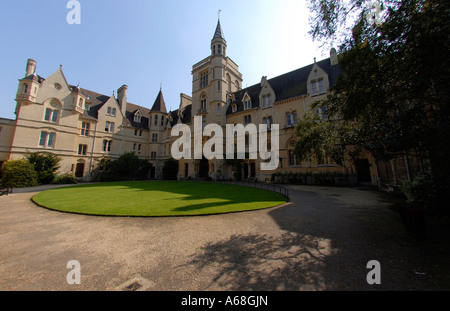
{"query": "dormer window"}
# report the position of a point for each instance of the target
(247, 103)
(25, 88)
(80, 102)
(137, 117)
(234, 108)
(317, 86)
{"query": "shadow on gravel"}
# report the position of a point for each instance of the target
(327, 242)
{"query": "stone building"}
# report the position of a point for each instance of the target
(82, 126)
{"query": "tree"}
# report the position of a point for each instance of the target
(394, 85)
(127, 167)
(170, 169)
(45, 164)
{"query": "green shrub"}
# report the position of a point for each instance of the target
(65, 179)
(127, 167)
(45, 164)
(18, 173)
(419, 190)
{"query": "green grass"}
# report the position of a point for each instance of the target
(157, 198)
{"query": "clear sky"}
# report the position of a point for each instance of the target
(146, 43)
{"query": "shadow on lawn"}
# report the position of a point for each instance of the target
(223, 194)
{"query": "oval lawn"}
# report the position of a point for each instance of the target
(157, 198)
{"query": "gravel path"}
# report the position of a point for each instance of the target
(321, 240)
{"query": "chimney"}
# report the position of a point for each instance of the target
(31, 67)
(122, 98)
(333, 57)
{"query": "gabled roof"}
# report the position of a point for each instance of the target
(288, 85)
(97, 101)
(159, 104)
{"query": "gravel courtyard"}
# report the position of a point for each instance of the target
(321, 240)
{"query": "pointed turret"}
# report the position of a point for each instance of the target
(218, 42)
(159, 105)
(219, 33)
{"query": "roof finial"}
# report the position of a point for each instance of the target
(160, 86)
(218, 13)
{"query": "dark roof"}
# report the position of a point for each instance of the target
(185, 118)
(288, 85)
(34, 77)
(218, 34)
(159, 104)
(97, 101)
(131, 110)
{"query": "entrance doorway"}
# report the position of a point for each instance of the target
(363, 170)
(204, 168)
(79, 169)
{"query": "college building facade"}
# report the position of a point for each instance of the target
(82, 126)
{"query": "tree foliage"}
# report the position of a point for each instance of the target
(127, 167)
(45, 164)
(395, 81)
(170, 169)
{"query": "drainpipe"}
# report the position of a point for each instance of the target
(405, 158)
(92, 151)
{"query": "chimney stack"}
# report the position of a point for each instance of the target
(333, 57)
(31, 67)
(122, 98)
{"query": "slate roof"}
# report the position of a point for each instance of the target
(186, 115)
(218, 34)
(34, 77)
(288, 85)
(97, 100)
(159, 104)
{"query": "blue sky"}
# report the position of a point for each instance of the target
(143, 43)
